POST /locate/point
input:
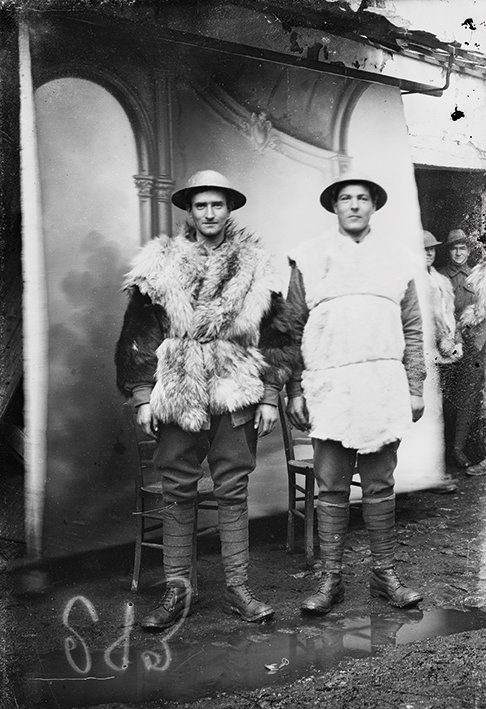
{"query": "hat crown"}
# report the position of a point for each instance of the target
(430, 240)
(207, 178)
(457, 236)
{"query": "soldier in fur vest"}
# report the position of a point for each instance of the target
(205, 348)
(358, 318)
(463, 382)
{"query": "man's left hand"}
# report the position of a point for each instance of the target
(417, 403)
(265, 419)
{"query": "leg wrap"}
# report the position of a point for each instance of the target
(178, 531)
(233, 531)
(379, 518)
(332, 524)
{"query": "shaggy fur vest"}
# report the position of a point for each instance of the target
(354, 381)
(442, 310)
(209, 362)
(473, 318)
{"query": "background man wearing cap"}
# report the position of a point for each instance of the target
(357, 313)
(463, 382)
(205, 348)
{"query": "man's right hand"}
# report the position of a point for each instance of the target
(146, 421)
(298, 414)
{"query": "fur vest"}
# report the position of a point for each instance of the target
(354, 380)
(442, 310)
(473, 318)
(209, 360)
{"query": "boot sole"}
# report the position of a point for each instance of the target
(323, 611)
(233, 610)
(375, 593)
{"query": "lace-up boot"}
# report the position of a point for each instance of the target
(379, 517)
(386, 583)
(242, 601)
(332, 523)
(175, 602)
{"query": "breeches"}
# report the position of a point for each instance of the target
(231, 455)
(334, 466)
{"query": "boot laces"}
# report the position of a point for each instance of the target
(170, 596)
(246, 594)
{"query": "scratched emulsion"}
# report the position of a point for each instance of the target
(175, 670)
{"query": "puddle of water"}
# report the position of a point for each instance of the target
(176, 670)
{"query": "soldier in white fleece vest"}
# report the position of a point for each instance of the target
(357, 314)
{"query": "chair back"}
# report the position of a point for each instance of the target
(286, 429)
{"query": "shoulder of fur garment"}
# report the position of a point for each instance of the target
(476, 313)
(442, 308)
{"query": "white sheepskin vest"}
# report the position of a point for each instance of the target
(354, 381)
(210, 362)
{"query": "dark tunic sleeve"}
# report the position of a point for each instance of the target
(278, 346)
(144, 328)
(413, 357)
(299, 313)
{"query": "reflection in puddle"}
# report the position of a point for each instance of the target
(186, 671)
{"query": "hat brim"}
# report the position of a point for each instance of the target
(181, 197)
(460, 240)
(327, 197)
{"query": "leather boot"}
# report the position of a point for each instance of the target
(379, 517)
(329, 592)
(386, 583)
(177, 536)
(175, 603)
(240, 600)
(332, 524)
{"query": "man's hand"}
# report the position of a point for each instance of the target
(265, 419)
(146, 421)
(417, 404)
(298, 414)
(457, 352)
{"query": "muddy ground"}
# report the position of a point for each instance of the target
(71, 638)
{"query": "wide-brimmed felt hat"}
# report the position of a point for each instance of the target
(457, 236)
(352, 177)
(207, 180)
(430, 240)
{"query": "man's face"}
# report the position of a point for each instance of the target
(459, 254)
(354, 207)
(429, 256)
(210, 213)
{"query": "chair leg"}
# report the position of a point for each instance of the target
(309, 519)
(138, 549)
(290, 514)
(195, 592)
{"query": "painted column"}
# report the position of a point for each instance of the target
(145, 187)
(35, 326)
(164, 184)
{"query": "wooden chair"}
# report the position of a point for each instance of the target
(299, 492)
(149, 503)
